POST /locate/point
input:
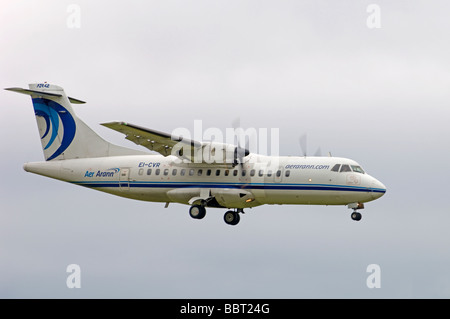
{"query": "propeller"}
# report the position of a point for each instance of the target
(303, 141)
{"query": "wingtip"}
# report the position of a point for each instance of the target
(113, 123)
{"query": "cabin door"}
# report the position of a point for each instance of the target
(124, 179)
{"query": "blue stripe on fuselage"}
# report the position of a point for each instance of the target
(274, 186)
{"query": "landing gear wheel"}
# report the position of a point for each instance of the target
(197, 211)
(356, 216)
(231, 218)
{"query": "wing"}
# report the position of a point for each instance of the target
(160, 142)
(184, 148)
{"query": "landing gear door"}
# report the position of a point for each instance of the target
(124, 179)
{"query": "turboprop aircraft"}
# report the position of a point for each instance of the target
(196, 173)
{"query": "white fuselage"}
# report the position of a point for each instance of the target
(260, 180)
(226, 176)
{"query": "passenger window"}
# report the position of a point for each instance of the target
(235, 172)
(218, 172)
(288, 173)
(208, 172)
(182, 172)
(336, 168)
(191, 172)
(269, 173)
(278, 173)
(244, 172)
(345, 168)
(174, 172)
(260, 173)
(252, 172)
(157, 171)
(141, 171)
(166, 171)
(227, 172)
(149, 171)
(200, 172)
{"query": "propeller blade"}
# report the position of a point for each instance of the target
(236, 123)
(318, 152)
(239, 152)
(303, 140)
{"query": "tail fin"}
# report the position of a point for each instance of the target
(63, 134)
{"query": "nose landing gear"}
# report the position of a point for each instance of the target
(356, 216)
(355, 206)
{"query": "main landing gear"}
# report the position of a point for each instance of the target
(230, 217)
(197, 211)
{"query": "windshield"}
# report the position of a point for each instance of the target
(357, 169)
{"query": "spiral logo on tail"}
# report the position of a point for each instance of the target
(53, 113)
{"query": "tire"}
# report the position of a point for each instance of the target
(197, 211)
(356, 216)
(231, 218)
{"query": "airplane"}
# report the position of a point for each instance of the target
(236, 180)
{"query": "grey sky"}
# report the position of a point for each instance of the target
(378, 96)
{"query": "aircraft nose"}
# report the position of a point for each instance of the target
(378, 189)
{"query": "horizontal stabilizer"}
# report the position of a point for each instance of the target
(75, 101)
(43, 94)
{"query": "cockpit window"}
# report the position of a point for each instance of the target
(336, 168)
(347, 168)
(357, 169)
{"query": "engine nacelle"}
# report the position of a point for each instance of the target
(210, 153)
(218, 153)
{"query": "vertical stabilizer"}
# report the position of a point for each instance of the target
(63, 134)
